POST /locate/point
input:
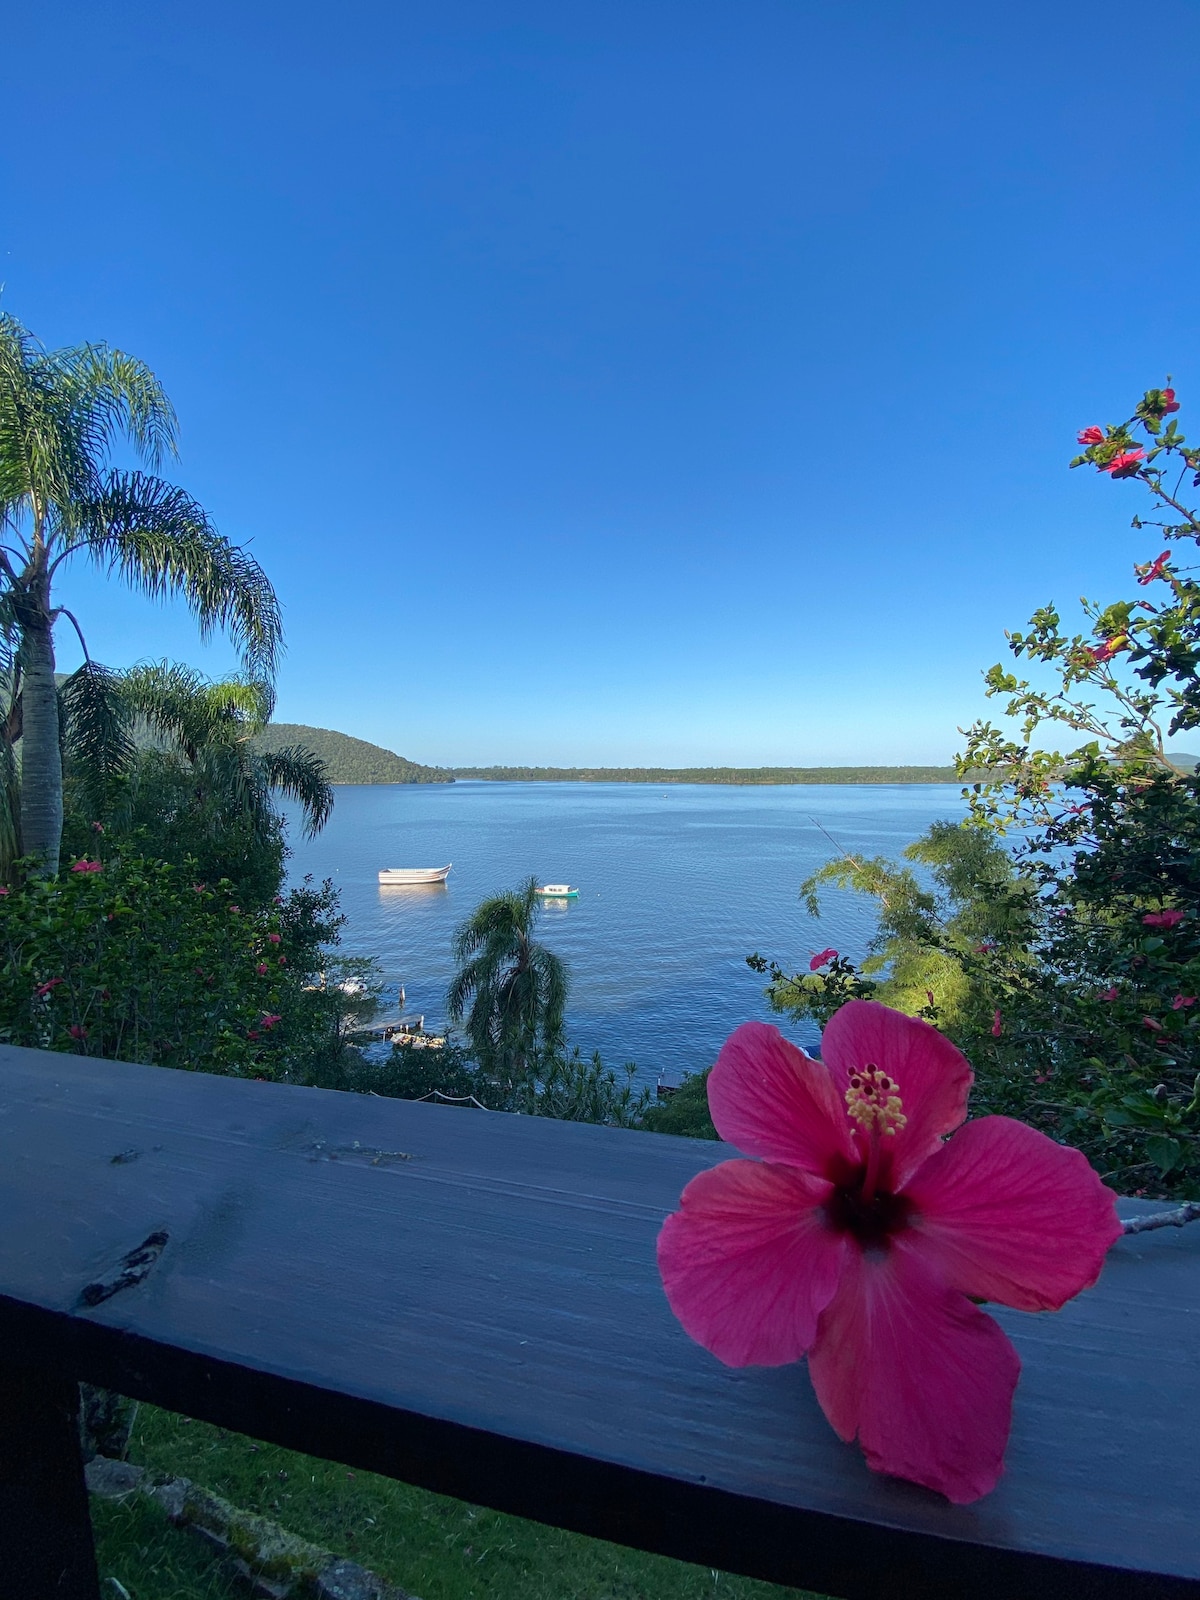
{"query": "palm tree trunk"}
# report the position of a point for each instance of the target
(41, 755)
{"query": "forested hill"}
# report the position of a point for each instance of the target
(349, 760)
(709, 774)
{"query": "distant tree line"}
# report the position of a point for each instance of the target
(744, 775)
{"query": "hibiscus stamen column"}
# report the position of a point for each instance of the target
(873, 1101)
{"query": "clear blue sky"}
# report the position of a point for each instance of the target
(674, 381)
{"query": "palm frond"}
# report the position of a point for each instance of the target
(111, 394)
(302, 776)
(160, 540)
(182, 706)
(95, 722)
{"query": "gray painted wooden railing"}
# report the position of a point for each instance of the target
(469, 1302)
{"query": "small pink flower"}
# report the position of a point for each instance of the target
(1091, 435)
(821, 959)
(1182, 1001)
(261, 969)
(199, 887)
(269, 1020)
(88, 866)
(1163, 919)
(1109, 994)
(1150, 1022)
(861, 1238)
(997, 1023)
(1155, 569)
(45, 988)
(1170, 402)
(3, 890)
(283, 961)
(273, 938)
(97, 827)
(1123, 465)
(252, 1033)
(77, 1032)
(235, 909)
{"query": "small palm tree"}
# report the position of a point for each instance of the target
(61, 413)
(515, 988)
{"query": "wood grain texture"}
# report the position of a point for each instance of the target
(469, 1301)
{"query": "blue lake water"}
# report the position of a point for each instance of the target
(677, 886)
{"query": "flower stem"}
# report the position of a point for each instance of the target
(1188, 1212)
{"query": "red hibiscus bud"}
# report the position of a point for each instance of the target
(273, 937)
(997, 1023)
(1149, 1022)
(261, 969)
(283, 961)
(1124, 465)
(1092, 436)
(77, 1032)
(1169, 402)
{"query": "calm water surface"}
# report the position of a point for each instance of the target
(677, 886)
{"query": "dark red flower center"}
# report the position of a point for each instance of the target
(870, 1221)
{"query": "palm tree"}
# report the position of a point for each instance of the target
(61, 414)
(209, 727)
(516, 989)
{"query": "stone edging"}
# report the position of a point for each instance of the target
(276, 1565)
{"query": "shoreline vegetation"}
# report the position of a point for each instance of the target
(356, 761)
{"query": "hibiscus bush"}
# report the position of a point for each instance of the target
(137, 960)
(1056, 935)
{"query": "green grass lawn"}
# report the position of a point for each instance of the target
(437, 1548)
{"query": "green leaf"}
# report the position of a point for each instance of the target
(1165, 1153)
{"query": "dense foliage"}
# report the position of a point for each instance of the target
(138, 960)
(558, 1083)
(1056, 935)
(346, 759)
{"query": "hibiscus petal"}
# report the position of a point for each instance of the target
(1013, 1216)
(772, 1100)
(749, 1263)
(919, 1374)
(933, 1076)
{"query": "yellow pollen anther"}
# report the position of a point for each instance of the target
(873, 1100)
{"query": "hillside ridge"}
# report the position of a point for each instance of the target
(347, 759)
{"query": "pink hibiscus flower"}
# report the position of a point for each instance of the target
(88, 866)
(822, 958)
(1163, 919)
(1169, 402)
(1182, 1001)
(1123, 465)
(1091, 435)
(861, 1239)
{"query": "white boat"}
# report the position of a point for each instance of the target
(414, 874)
(558, 891)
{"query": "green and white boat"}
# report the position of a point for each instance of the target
(557, 891)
